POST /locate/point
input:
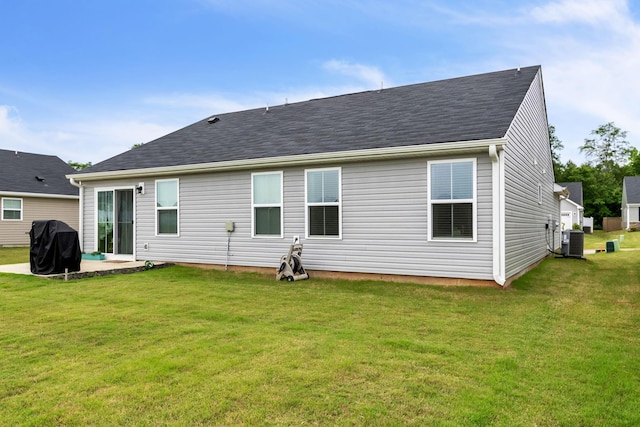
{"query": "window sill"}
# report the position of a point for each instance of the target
(453, 240)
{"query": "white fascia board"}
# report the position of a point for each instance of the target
(577, 206)
(560, 191)
(39, 195)
(448, 148)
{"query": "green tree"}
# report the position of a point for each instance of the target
(610, 158)
(633, 167)
(600, 190)
(78, 166)
(608, 148)
(556, 149)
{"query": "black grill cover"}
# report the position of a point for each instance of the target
(54, 247)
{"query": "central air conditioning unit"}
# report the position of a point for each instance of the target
(573, 243)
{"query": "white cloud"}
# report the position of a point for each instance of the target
(590, 74)
(15, 134)
(95, 136)
(587, 11)
(91, 140)
(101, 139)
(203, 104)
(9, 126)
(369, 75)
(189, 107)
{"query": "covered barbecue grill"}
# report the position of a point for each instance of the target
(54, 248)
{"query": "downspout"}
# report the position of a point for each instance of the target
(498, 226)
(81, 210)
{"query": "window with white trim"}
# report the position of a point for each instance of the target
(11, 209)
(452, 199)
(323, 202)
(266, 202)
(167, 206)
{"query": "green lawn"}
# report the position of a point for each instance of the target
(16, 255)
(599, 238)
(183, 346)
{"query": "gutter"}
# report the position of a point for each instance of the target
(442, 148)
(39, 195)
(80, 187)
(498, 220)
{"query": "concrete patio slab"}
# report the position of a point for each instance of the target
(88, 268)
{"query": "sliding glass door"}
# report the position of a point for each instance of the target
(115, 221)
(105, 222)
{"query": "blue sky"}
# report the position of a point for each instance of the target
(85, 80)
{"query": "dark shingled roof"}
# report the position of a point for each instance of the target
(462, 109)
(632, 185)
(575, 191)
(34, 173)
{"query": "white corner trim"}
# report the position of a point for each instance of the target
(498, 220)
(80, 188)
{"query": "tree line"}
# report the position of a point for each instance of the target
(610, 157)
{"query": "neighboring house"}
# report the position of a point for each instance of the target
(450, 180)
(631, 202)
(572, 208)
(33, 187)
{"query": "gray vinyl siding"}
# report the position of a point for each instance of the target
(88, 242)
(16, 233)
(624, 202)
(527, 164)
(385, 226)
(384, 223)
(633, 209)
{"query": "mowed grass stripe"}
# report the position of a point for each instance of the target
(185, 346)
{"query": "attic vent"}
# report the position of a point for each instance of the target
(40, 178)
(212, 120)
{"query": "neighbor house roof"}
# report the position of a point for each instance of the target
(473, 108)
(632, 187)
(575, 191)
(38, 174)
